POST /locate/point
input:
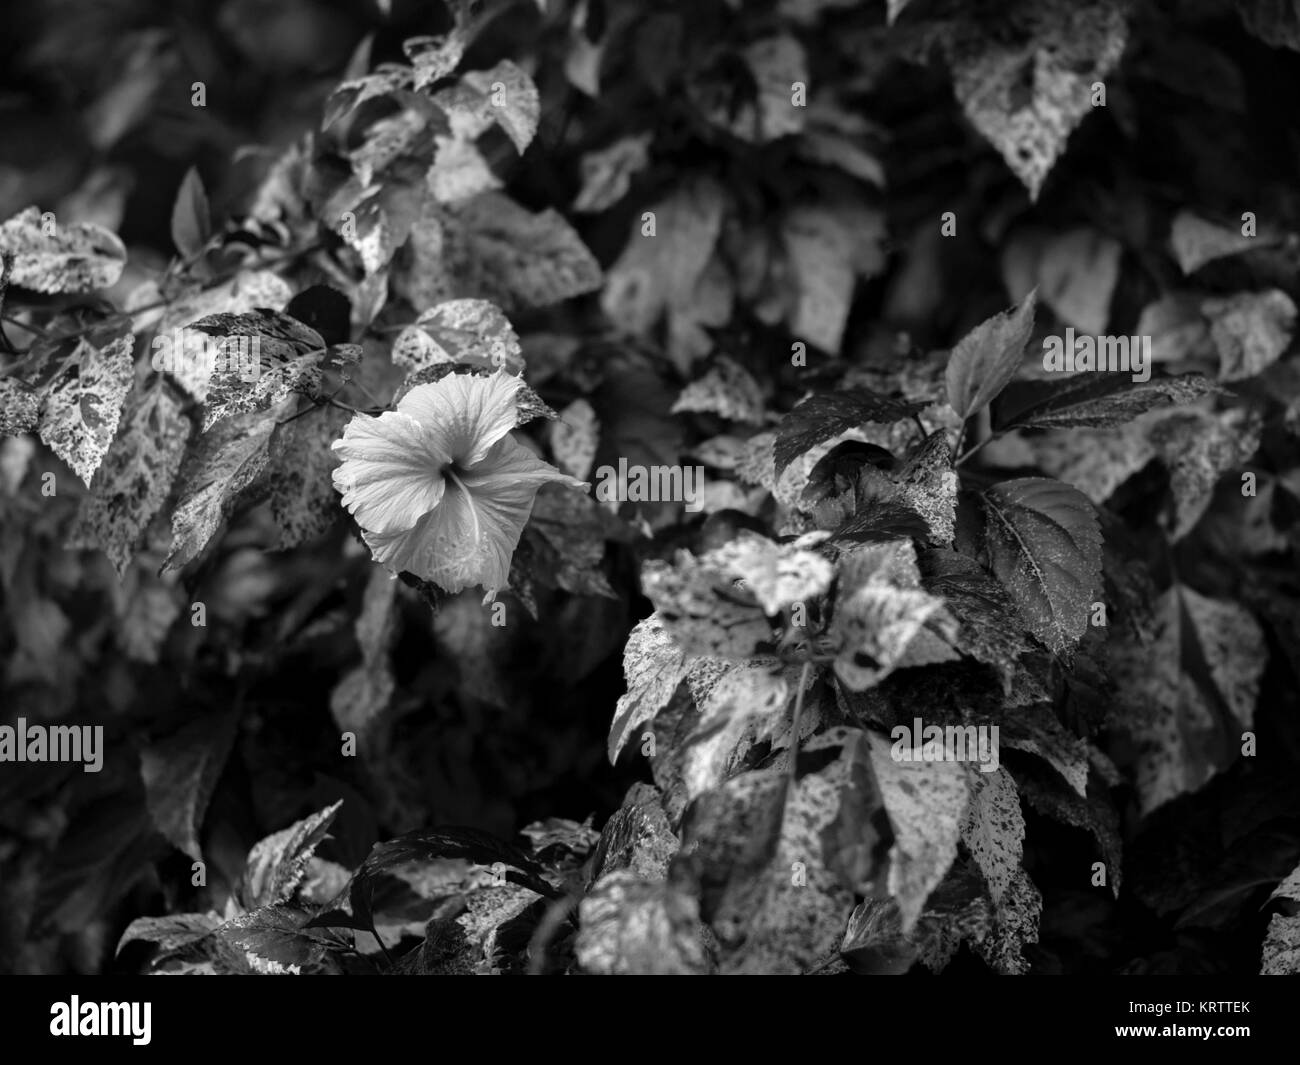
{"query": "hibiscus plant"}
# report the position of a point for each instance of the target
(596, 501)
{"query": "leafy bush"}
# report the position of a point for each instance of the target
(732, 342)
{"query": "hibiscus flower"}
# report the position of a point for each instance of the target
(438, 486)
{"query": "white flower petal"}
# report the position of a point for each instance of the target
(467, 414)
(470, 537)
(449, 546)
(390, 475)
(510, 464)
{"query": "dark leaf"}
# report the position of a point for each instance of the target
(1045, 548)
(882, 523)
(180, 774)
(169, 933)
(324, 309)
(988, 629)
(819, 418)
(1095, 402)
(191, 221)
(468, 843)
(987, 357)
(272, 941)
(637, 838)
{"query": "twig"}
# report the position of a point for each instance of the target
(552, 919)
(353, 410)
(43, 334)
(798, 713)
(313, 405)
(987, 440)
(367, 393)
(213, 282)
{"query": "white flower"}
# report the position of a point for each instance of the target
(438, 486)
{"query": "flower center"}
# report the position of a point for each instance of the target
(450, 472)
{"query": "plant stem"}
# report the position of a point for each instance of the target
(25, 325)
(798, 713)
(351, 409)
(367, 393)
(987, 440)
(213, 282)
